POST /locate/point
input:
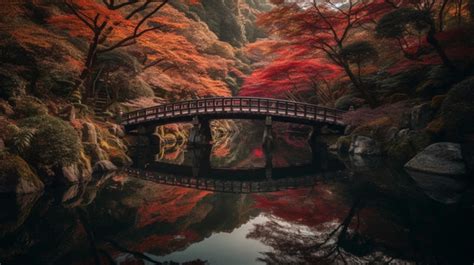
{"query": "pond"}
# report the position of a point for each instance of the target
(225, 205)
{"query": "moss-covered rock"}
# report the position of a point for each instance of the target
(55, 142)
(16, 176)
(396, 97)
(407, 145)
(120, 159)
(347, 101)
(28, 106)
(457, 109)
(343, 144)
(378, 129)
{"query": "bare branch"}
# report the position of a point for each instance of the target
(139, 9)
(83, 17)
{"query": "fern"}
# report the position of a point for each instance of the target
(22, 140)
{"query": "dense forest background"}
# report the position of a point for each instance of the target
(69, 68)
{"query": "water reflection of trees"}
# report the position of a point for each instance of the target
(329, 243)
(378, 227)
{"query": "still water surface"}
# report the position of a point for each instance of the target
(351, 210)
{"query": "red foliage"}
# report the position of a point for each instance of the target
(303, 206)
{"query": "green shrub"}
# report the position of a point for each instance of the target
(136, 88)
(11, 85)
(457, 110)
(55, 142)
(28, 106)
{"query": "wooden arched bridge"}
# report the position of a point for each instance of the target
(201, 111)
(233, 108)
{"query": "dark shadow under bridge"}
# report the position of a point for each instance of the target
(201, 111)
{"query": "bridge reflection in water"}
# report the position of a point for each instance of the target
(200, 174)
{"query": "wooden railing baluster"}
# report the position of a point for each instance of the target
(285, 108)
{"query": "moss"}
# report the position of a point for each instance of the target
(55, 142)
(132, 89)
(343, 143)
(345, 102)
(406, 147)
(396, 97)
(376, 129)
(17, 176)
(28, 106)
(11, 84)
(457, 109)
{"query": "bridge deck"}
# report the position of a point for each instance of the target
(234, 108)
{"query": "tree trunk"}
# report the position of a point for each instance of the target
(86, 76)
(359, 86)
(441, 14)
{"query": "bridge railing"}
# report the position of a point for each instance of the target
(274, 107)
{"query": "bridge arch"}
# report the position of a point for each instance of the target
(233, 108)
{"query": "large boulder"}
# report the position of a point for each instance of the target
(440, 158)
(439, 188)
(362, 145)
(16, 176)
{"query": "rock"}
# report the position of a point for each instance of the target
(5, 108)
(95, 152)
(420, 116)
(405, 120)
(89, 133)
(406, 144)
(345, 102)
(392, 133)
(348, 130)
(104, 166)
(343, 143)
(115, 129)
(76, 173)
(17, 177)
(403, 133)
(121, 159)
(362, 145)
(440, 188)
(440, 158)
(2, 145)
(333, 147)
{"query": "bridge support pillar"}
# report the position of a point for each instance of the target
(200, 132)
(146, 136)
(319, 150)
(267, 145)
(201, 160)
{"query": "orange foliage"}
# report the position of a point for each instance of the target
(176, 64)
